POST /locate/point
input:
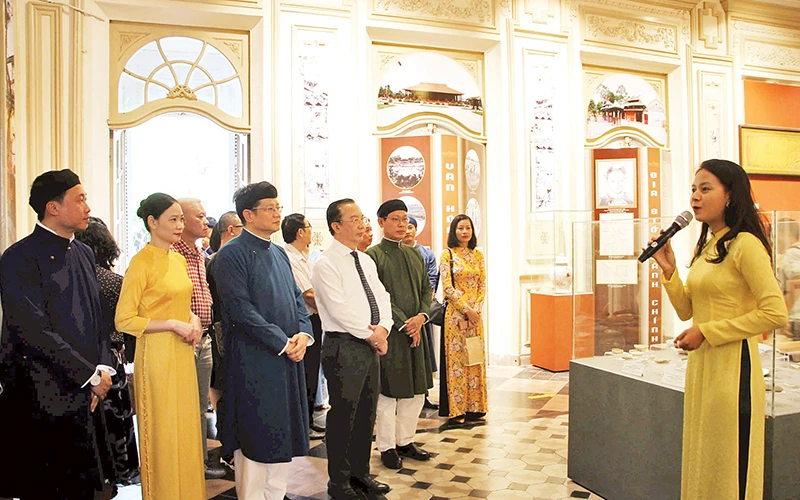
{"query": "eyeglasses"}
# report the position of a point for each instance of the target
(237, 225)
(277, 209)
(398, 220)
(354, 219)
(307, 227)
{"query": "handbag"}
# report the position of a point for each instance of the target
(438, 309)
(437, 312)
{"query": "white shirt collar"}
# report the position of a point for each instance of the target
(38, 223)
(292, 249)
(340, 247)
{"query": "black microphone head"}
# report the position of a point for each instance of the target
(684, 218)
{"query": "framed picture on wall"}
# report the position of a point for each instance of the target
(769, 150)
(615, 183)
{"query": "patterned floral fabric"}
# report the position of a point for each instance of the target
(466, 385)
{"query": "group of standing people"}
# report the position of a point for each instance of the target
(258, 310)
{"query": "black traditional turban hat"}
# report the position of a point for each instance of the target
(51, 185)
(390, 206)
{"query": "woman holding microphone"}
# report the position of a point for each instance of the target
(732, 296)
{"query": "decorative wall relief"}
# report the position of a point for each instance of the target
(743, 33)
(540, 91)
(315, 52)
(710, 25)
(628, 32)
(541, 11)
(712, 107)
(474, 12)
(772, 55)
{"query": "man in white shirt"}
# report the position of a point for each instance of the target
(296, 231)
(356, 317)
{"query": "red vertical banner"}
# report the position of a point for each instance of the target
(406, 174)
(449, 183)
(654, 295)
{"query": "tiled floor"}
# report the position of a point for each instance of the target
(520, 452)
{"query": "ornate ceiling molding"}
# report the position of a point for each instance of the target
(474, 12)
(710, 24)
(627, 32)
(743, 33)
(770, 55)
(638, 9)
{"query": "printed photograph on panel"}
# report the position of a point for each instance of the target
(427, 82)
(615, 183)
(405, 167)
(625, 100)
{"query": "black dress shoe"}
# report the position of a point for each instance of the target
(413, 452)
(344, 492)
(429, 405)
(369, 485)
(475, 417)
(391, 459)
(215, 472)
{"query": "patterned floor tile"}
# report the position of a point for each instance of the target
(557, 470)
(525, 476)
(489, 483)
(541, 458)
(450, 490)
(532, 386)
(509, 495)
(506, 464)
(548, 490)
(518, 453)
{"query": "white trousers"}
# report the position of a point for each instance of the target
(397, 421)
(257, 481)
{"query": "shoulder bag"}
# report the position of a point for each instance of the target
(438, 308)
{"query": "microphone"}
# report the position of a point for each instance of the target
(681, 221)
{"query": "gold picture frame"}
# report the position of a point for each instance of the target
(769, 150)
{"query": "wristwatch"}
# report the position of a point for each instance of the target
(96, 379)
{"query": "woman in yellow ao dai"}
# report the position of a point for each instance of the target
(732, 296)
(154, 306)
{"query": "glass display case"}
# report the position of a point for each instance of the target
(550, 287)
(549, 256)
(631, 322)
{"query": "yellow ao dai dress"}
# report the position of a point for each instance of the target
(157, 287)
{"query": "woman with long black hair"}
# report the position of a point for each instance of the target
(732, 296)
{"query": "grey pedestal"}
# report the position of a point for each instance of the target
(625, 436)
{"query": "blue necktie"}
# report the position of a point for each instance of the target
(374, 314)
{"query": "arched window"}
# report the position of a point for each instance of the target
(161, 69)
